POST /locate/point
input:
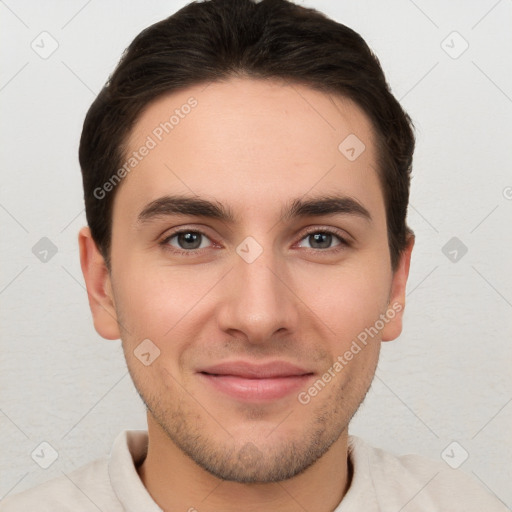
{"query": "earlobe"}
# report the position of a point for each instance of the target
(396, 305)
(99, 288)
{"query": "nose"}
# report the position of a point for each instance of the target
(258, 302)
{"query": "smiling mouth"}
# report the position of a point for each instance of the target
(250, 382)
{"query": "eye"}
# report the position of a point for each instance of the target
(324, 239)
(187, 241)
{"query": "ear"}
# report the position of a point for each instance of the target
(99, 287)
(396, 304)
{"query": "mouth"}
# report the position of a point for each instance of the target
(250, 382)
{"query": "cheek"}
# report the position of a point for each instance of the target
(348, 298)
(144, 303)
(159, 302)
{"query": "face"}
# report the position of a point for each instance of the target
(250, 296)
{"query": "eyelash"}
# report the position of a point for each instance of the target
(193, 252)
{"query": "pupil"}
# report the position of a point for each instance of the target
(324, 239)
(190, 240)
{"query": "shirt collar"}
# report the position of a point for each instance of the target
(129, 450)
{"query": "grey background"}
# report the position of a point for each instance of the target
(448, 376)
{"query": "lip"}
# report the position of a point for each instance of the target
(247, 381)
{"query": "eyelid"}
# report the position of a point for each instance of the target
(343, 235)
(164, 240)
(344, 238)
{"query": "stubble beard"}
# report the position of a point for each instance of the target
(242, 460)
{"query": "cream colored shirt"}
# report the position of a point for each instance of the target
(381, 483)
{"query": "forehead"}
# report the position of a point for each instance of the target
(250, 143)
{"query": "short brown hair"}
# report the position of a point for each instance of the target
(216, 39)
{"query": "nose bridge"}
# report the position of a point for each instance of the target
(257, 302)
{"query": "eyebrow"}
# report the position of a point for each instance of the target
(170, 205)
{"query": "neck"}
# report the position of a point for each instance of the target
(176, 482)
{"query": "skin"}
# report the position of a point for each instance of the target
(254, 146)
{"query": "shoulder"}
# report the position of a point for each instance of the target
(85, 489)
(412, 482)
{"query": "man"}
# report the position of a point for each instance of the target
(246, 174)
